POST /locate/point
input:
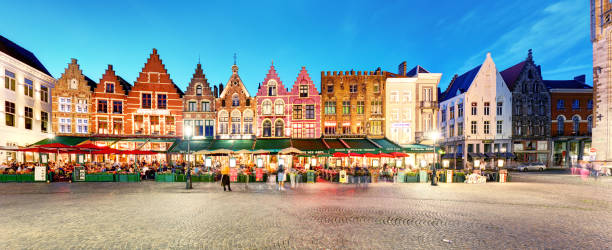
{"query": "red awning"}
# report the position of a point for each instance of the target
(355, 155)
(90, 146)
(108, 151)
(339, 154)
(399, 154)
(385, 155)
(138, 152)
(370, 155)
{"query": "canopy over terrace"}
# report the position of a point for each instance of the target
(272, 145)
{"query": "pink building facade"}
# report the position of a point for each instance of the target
(305, 100)
(273, 107)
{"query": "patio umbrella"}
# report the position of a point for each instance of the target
(108, 151)
(243, 151)
(89, 146)
(203, 152)
(339, 154)
(399, 154)
(222, 151)
(370, 155)
(355, 155)
(260, 152)
(139, 152)
(76, 152)
(290, 150)
(385, 155)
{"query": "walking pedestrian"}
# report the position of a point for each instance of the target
(281, 177)
(225, 179)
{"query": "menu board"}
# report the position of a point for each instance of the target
(208, 162)
(258, 174)
(232, 162)
(40, 173)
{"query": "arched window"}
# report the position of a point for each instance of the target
(279, 127)
(199, 90)
(266, 107)
(248, 121)
(267, 128)
(589, 124)
(576, 123)
(223, 122)
(235, 100)
(560, 125)
(279, 107)
(236, 122)
(272, 88)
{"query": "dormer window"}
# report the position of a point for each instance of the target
(199, 90)
(235, 100)
(110, 87)
(271, 88)
(303, 90)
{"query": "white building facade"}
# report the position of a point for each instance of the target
(411, 105)
(476, 118)
(25, 101)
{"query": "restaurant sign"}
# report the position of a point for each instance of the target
(153, 111)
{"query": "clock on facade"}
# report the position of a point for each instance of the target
(73, 84)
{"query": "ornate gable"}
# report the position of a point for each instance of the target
(73, 80)
(302, 79)
(234, 85)
(272, 78)
(199, 79)
(154, 72)
(110, 77)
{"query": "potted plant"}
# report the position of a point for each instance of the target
(411, 177)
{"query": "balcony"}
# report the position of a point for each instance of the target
(429, 104)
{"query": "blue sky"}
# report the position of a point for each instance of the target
(448, 37)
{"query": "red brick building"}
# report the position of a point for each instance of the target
(108, 102)
(572, 120)
(235, 110)
(154, 105)
(199, 106)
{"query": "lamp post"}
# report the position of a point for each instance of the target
(434, 135)
(187, 134)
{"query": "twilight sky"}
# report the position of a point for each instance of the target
(448, 37)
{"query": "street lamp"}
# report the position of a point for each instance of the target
(187, 134)
(434, 135)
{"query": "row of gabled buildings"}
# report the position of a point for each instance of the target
(515, 114)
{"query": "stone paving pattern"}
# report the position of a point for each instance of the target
(149, 215)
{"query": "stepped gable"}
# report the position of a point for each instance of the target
(148, 74)
(199, 77)
(304, 78)
(110, 76)
(272, 75)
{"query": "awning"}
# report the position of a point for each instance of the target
(272, 145)
(418, 148)
(361, 146)
(387, 146)
(476, 155)
(67, 140)
(194, 145)
(242, 144)
(310, 146)
(490, 155)
(335, 145)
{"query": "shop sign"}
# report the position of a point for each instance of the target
(449, 176)
(40, 173)
(593, 150)
(542, 145)
(233, 174)
(400, 125)
(153, 111)
(487, 141)
(342, 176)
(258, 174)
(518, 146)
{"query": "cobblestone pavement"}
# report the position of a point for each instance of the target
(382, 216)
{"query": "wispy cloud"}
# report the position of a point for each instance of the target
(553, 32)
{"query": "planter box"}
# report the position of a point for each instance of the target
(99, 177)
(179, 178)
(423, 177)
(459, 178)
(25, 178)
(10, 178)
(164, 177)
(412, 178)
(128, 177)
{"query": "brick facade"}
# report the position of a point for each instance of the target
(108, 103)
(353, 103)
(200, 105)
(273, 107)
(146, 112)
(235, 109)
(583, 112)
(71, 99)
(304, 96)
